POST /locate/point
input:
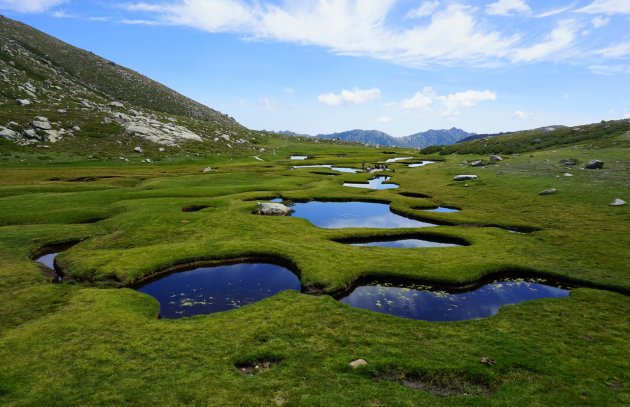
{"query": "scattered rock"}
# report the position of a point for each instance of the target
(595, 165)
(258, 158)
(207, 169)
(488, 361)
(476, 163)
(273, 209)
(465, 178)
(161, 149)
(41, 124)
(138, 149)
(117, 104)
(357, 363)
(569, 162)
(30, 133)
(8, 133)
(618, 202)
(76, 128)
(549, 191)
(23, 102)
(566, 174)
(495, 158)
(62, 111)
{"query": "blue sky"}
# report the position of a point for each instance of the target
(400, 66)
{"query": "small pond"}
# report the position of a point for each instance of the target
(48, 260)
(374, 183)
(338, 169)
(393, 160)
(299, 157)
(440, 306)
(421, 164)
(410, 243)
(442, 209)
(336, 215)
(206, 290)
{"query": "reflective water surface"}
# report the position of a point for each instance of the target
(335, 215)
(443, 209)
(405, 243)
(422, 303)
(393, 160)
(338, 169)
(48, 260)
(421, 164)
(374, 183)
(206, 290)
(299, 157)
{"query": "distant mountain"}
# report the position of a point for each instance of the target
(545, 129)
(418, 140)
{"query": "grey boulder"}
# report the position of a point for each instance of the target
(549, 191)
(476, 163)
(495, 158)
(273, 209)
(595, 165)
(40, 124)
(618, 202)
(465, 178)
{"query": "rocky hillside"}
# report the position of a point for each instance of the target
(53, 95)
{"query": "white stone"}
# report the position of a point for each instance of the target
(138, 149)
(44, 125)
(117, 104)
(76, 128)
(8, 133)
(357, 363)
(207, 169)
(273, 208)
(23, 102)
(161, 149)
(30, 133)
(41, 118)
(465, 178)
(618, 202)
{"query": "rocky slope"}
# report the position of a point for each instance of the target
(53, 95)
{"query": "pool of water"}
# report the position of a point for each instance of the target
(207, 290)
(438, 306)
(299, 157)
(393, 160)
(404, 243)
(421, 164)
(442, 209)
(335, 215)
(374, 183)
(338, 169)
(48, 260)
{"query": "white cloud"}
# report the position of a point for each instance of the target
(384, 119)
(29, 6)
(451, 103)
(626, 116)
(559, 39)
(267, 104)
(557, 11)
(420, 101)
(354, 96)
(454, 102)
(139, 22)
(621, 50)
(508, 8)
(425, 9)
(609, 7)
(289, 90)
(600, 21)
(520, 115)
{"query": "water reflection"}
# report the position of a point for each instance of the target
(335, 215)
(393, 160)
(405, 243)
(338, 169)
(424, 304)
(421, 164)
(48, 260)
(206, 290)
(442, 209)
(374, 183)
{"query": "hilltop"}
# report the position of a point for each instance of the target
(417, 140)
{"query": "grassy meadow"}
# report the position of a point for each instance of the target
(94, 340)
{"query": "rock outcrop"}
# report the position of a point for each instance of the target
(273, 209)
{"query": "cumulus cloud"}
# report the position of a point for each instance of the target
(425, 9)
(519, 114)
(559, 39)
(508, 8)
(450, 104)
(355, 96)
(384, 119)
(609, 7)
(29, 6)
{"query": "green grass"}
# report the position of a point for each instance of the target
(94, 341)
